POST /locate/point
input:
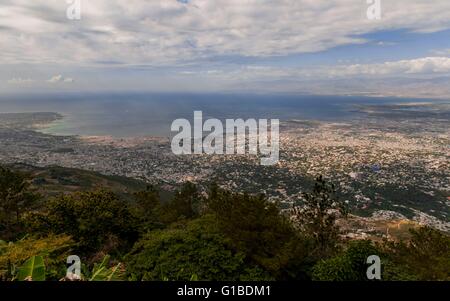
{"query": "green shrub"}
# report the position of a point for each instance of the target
(196, 248)
(255, 227)
(349, 266)
(426, 256)
(15, 200)
(93, 219)
(54, 249)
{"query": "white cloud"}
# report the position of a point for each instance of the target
(161, 32)
(430, 66)
(426, 65)
(19, 81)
(60, 79)
(441, 52)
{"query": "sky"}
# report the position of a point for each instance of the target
(260, 46)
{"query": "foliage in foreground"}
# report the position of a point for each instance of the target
(15, 199)
(193, 248)
(426, 256)
(96, 219)
(53, 248)
(350, 265)
(221, 236)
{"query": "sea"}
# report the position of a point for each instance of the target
(151, 114)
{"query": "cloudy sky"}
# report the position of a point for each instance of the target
(300, 46)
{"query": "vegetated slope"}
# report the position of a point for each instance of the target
(55, 180)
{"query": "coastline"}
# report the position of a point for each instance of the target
(411, 164)
(46, 127)
(49, 128)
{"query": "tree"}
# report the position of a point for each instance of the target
(195, 249)
(350, 265)
(187, 200)
(148, 199)
(184, 205)
(147, 205)
(15, 200)
(426, 256)
(94, 219)
(317, 217)
(255, 226)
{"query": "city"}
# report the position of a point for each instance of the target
(380, 164)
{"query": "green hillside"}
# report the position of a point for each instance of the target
(56, 180)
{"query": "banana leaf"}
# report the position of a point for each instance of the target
(32, 270)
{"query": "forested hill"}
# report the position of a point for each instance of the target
(124, 229)
(55, 180)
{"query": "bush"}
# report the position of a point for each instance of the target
(196, 249)
(54, 248)
(15, 200)
(184, 205)
(349, 266)
(93, 219)
(255, 227)
(425, 257)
